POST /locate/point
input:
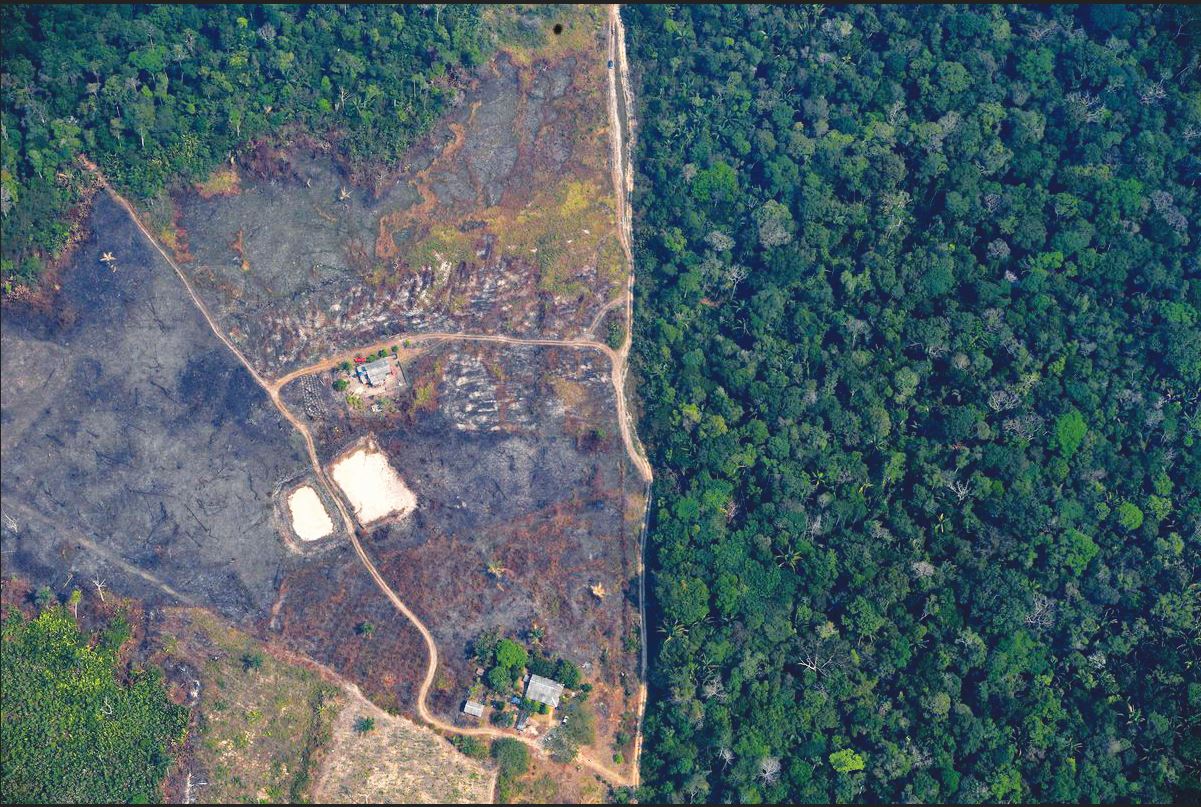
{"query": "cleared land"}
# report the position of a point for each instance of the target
(310, 520)
(136, 449)
(396, 762)
(504, 223)
(259, 722)
(502, 219)
(372, 485)
(271, 727)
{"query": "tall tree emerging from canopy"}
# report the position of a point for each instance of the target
(919, 340)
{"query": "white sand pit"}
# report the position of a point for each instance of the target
(310, 520)
(373, 487)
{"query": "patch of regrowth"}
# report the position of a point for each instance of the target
(68, 714)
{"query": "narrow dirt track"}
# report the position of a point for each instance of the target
(618, 370)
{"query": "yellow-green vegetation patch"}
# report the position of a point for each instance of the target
(262, 720)
(611, 261)
(562, 231)
(377, 757)
(72, 732)
(443, 248)
(527, 31)
(222, 182)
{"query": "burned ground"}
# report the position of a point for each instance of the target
(527, 512)
(134, 442)
(137, 450)
(500, 220)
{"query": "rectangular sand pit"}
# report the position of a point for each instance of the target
(372, 485)
(310, 521)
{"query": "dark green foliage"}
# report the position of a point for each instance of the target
(501, 679)
(510, 654)
(616, 335)
(928, 489)
(513, 759)
(72, 732)
(470, 746)
(567, 674)
(364, 724)
(561, 670)
(155, 92)
(341, 384)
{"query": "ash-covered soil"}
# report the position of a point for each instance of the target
(525, 503)
(302, 263)
(136, 450)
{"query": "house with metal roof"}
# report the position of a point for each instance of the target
(375, 373)
(544, 690)
(473, 708)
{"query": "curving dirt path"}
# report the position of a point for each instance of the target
(618, 369)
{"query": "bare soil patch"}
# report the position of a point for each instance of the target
(310, 520)
(372, 485)
(396, 762)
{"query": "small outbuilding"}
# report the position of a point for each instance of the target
(473, 708)
(544, 690)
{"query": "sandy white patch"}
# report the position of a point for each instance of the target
(373, 487)
(310, 520)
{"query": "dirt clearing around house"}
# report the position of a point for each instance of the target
(310, 521)
(395, 762)
(372, 485)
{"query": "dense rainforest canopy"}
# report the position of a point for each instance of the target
(919, 340)
(156, 92)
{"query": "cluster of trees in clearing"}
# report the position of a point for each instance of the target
(919, 343)
(77, 726)
(158, 93)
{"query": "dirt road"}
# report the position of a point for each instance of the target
(618, 370)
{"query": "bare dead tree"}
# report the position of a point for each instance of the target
(961, 489)
(1085, 107)
(1003, 399)
(1041, 612)
(769, 770)
(714, 689)
(857, 328)
(99, 584)
(816, 657)
(1152, 93)
(1037, 33)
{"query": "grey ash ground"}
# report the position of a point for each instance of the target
(128, 427)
